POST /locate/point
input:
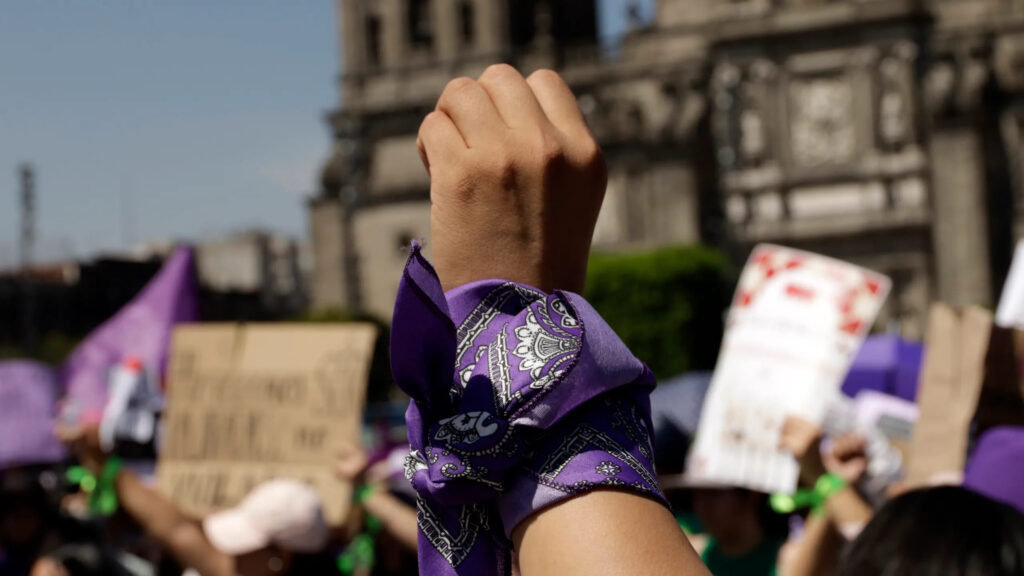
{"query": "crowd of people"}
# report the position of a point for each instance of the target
(501, 475)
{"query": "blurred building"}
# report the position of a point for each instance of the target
(884, 132)
(250, 275)
(69, 298)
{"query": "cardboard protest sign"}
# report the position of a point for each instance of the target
(249, 403)
(796, 323)
(970, 381)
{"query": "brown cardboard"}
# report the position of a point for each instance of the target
(250, 403)
(971, 374)
(947, 396)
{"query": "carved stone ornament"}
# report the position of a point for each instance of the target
(894, 116)
(821, 116)
(953, 85)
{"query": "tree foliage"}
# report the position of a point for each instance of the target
(667, 305)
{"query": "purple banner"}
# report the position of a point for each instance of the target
(28, 404)
(141, 329)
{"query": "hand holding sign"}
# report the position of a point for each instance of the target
(795, 325)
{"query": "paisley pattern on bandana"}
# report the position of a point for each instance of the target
(519, 399)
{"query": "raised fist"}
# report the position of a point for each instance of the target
(802, 439)
(848, 458)
(516, 181)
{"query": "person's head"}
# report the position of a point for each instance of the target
(23, 509)
(726, 513)
(940, 531)
(278, 521)
(736, 515)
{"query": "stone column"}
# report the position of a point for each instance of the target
(394, 37)
(446, 22)
(492, 26)
(329, 282)
(960, 222)
(352, 25)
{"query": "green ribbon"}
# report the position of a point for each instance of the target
(362, 550)
(813, 498)
(101, 490)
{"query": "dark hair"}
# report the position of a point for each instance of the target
(938, 532)
(670, 446)
(315, 563)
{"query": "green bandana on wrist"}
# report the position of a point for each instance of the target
(362, 550)
(101, 490)
(813, 498)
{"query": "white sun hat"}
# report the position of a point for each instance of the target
(286, 513)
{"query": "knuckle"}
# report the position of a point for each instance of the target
(590, 153)
(459, 84)
(545, 75)
(455, 89)
(501, 70)
(429, 121)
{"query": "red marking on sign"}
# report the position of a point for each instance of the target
(873, 285)
(800, 292)
(794, 263)
(744, 298)
(851, 327)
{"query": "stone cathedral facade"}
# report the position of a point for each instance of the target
(883, 132)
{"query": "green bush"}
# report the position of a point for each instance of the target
(667, 305)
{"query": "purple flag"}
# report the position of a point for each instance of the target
(28, 400)
(141, 329)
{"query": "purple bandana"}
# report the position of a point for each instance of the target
(520, 399)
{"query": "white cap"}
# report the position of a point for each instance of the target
(283, 512)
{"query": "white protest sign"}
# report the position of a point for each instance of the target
(796, 323)
(1010, 313)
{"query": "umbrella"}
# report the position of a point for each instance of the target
(887, 364)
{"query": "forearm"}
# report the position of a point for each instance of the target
(172, 530)
(395, 516)
(154, 513)
(848, 511)
(817, 552)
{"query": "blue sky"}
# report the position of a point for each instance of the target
(153, 119)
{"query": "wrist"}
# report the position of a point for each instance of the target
(824, 488)
(520, 399)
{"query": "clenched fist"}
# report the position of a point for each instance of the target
(516, 181)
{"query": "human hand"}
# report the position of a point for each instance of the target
(847, 458)
(84, 443)
(516, 181)
(350, 464)
(48, 567)
(803, 439)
